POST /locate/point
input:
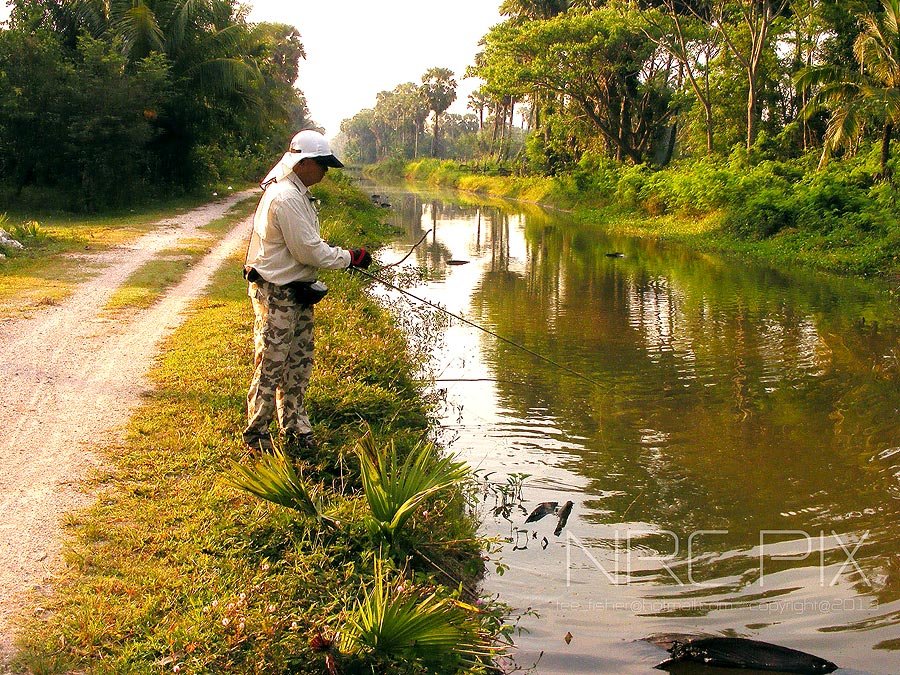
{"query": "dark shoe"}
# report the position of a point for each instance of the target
(259, 444)
(296, 445)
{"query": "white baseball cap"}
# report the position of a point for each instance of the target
(309, 143)
(306, 144)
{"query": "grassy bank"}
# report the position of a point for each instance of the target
(176, 570)
(59, 247)
(840, 219)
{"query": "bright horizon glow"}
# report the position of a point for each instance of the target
(356, 48)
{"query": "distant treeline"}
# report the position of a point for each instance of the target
(108, 102)
(648, 82)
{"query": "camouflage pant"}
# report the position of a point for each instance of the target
(283, 341)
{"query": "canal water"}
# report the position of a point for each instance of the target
(732, 451)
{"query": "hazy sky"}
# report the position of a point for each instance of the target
(356, 48)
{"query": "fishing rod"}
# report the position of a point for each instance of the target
(414, 247)
(475, 325)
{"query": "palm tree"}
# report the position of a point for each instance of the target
(870, 94)
(396, 487)
(204, 40)
(273, 478)
(478, 101)
(439, 89)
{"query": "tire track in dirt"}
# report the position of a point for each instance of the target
(72, 376)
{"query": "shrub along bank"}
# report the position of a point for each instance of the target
(174, 569)
(839, 219)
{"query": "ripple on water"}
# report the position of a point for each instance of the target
(733, 396)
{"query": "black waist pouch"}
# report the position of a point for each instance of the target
(308, 292)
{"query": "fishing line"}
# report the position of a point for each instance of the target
(479, 327)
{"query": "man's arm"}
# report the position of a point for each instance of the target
(302, 238)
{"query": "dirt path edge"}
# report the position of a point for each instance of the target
(72, 378)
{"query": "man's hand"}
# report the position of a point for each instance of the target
(360, 257)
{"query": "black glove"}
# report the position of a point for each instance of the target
(360, 257)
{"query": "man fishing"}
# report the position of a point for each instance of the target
(285, 253)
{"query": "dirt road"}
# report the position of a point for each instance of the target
(71, 377)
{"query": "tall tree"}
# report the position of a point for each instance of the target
(477, 103)
(228, 85)
(598, 61)
(439, 89)
(745, 27)
(694, 45)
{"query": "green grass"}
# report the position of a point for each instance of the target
(54, 262)
(237, 212)
(147, 284)
(845, 253)
(174, 569)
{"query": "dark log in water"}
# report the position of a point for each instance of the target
(724, 652)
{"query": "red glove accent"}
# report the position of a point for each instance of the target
(360, 257)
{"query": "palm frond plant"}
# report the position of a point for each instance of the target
(273, 478)
(391, 622)
(869, 94)
(139, 27)
(395, 488)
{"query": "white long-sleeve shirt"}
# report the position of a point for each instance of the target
(290, 246)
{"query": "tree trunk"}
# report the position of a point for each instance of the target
(621, 130)
(670, 144)
(610, 134)
(512, 112)
(434, 138)
(496, 127)
(751, 111)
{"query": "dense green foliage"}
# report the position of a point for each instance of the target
(647, 83)
(398, 126)
(840, 218)
(727, 110)
(104, 103)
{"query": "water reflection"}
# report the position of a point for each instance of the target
(754, 406)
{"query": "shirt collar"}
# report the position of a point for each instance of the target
(295, 179)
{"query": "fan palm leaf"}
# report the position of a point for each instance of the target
(395, 488)
(273, 478)
(389, 622)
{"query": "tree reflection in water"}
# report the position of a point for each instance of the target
(736, 397)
